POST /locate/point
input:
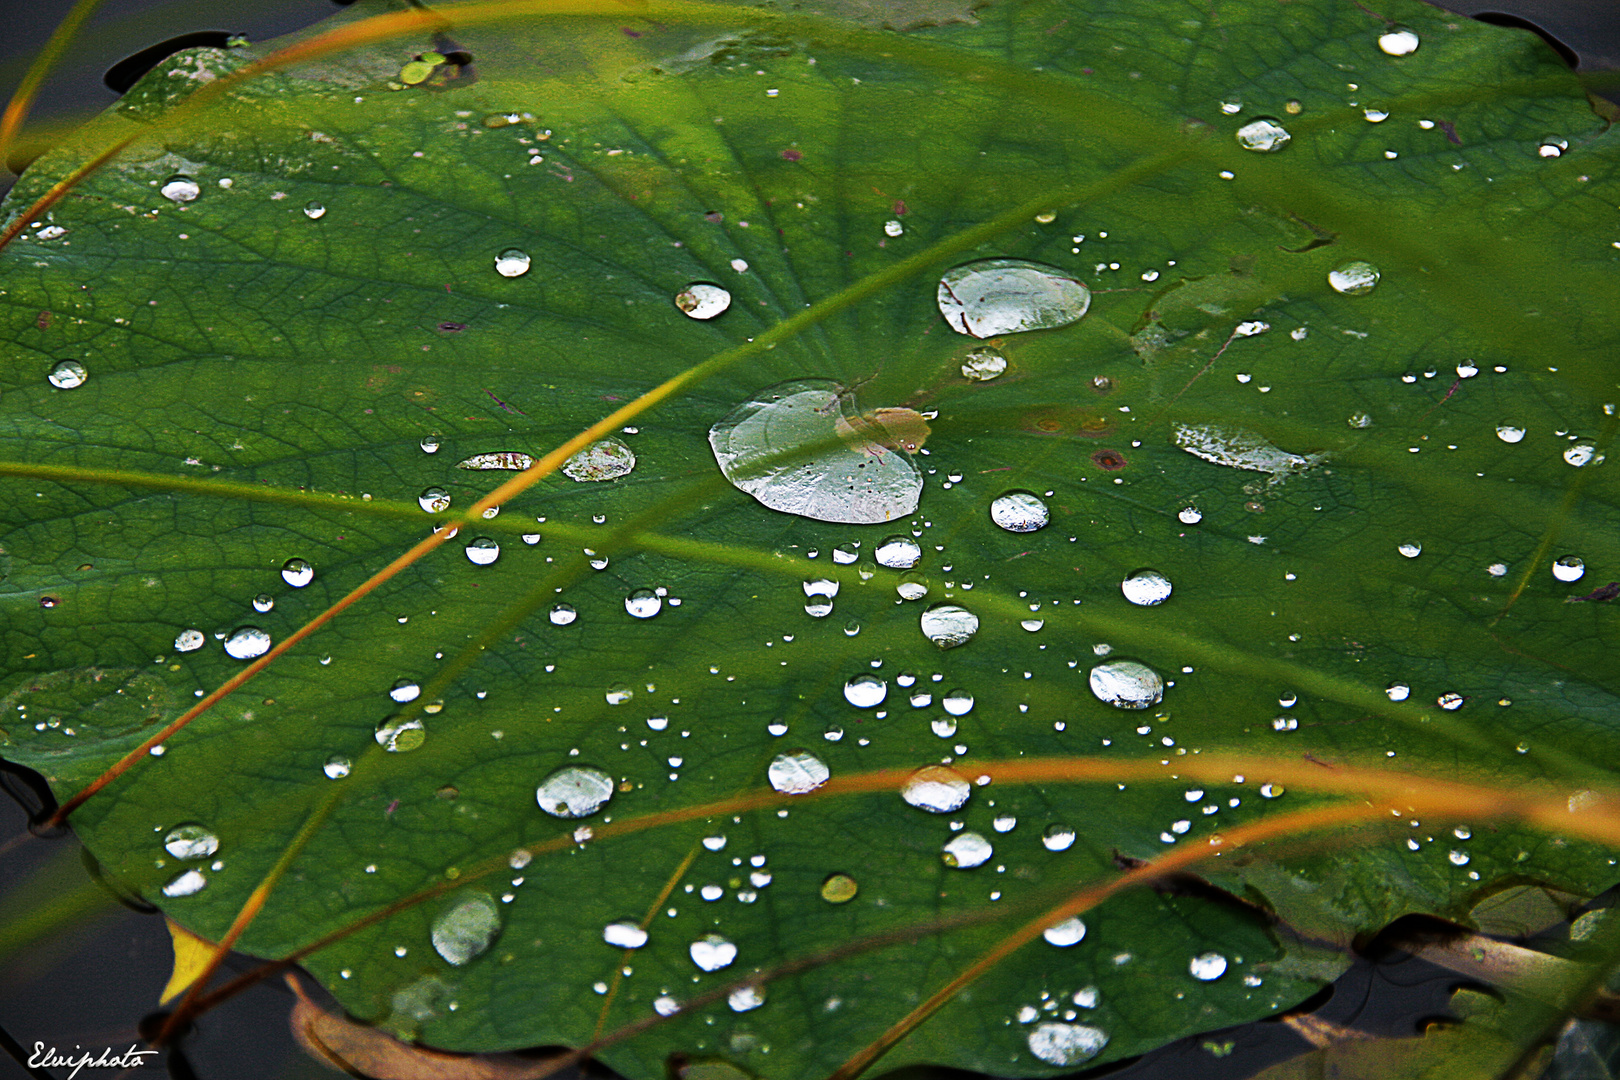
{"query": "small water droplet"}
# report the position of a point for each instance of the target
(982, 365)
(465, 931)
(844, 554)
(966, 850)
(1058, 838)
(624, 934)
(1510, 433)
(1360, 420)
(943, 726)
(405, 690)
(839, 889)
(1399, 41)
(563, 614)
(797, 772)
(618, 694)
(483, 551)
(1019, 512)
(190, 842)
(866, 691)
(337, 767)
(1411, 549)
(1126, 684)
(314, 211)
(1070, 931)
(1263, 135)
(67, 375)
(1458, 858)
(897, 553)
(703, 300)
(1375, 116)
(1398, 691)
(711, 952)
(1004, 823)
(1462, 832)
(1354, 278)
(1007, 296)
(746, 998)
(185, 884)
(574, 792)
(1190, 515)
(297, 573)
(247, 642)
(1146, 588)
(512, 263)
(1207, 967)
(180, 189)
(605, 459)
(892, 227)
(1569, 568)
(1552, 146)
(429, 444)
(189, 641)
(936, 789)
(949, 625)
(263, 602)
(434, 500)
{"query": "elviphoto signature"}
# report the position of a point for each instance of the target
(48, 1057)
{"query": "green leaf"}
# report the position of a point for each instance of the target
(295, 312)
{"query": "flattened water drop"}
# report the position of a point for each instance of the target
(982, 365)
(189, 641)
(605, 459)
(898, 553)
(400, 736)
(1020, 512)
(1008, 296)
(949, 625)
(746, 998)
(1190, 515)
(936, 789)
(247, 642)
(643, 603)
(180, 189)
(1146, 588)
(67, 375)
(512, 262)
(711, 952)
(190, 842)
(798, 447)
(1207, 967)
(1354, 278)
(797, 772)
(1125, 684)
(1399, 41)
(185, 884)
(1263, 135)
(465, 931)
(297, 573)
(966, 850)
(839, 889)
(574, 792)
(509, 460)
(703, 300)
(1510, 433)
(1240, 449)
(624, 934)
(866, 691)
(1066, 1044)
(1070, 931)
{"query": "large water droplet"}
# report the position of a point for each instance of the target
(866, 691)
(1581, 454)
(1066, 1044)
(465, 931)
(949, 625)
(247, 642)
(1399, 41)
(982, 365)
(434, 500)
(703, 300)
(1125, 684)
(643, 603)
(1070, 931)
(512, 262)
(1263, 135)
(482, 551)
(1354, 278)
(1147, 588)
(180, 189)
(1007, 296)
(1237, 448)
(185, 884)
(1058, 837)
(67, 375)
(839, 889)
(1020, 512)
(190, 842)
(957, 702)
(605, 459)
(797, 772)
(966, 850)
(297, 573)
(798, 447)
(898, 553)
(937, 789)
(624, 934)
(400, 736)
(1207, 966)
(1569, 568)
(574, 792)
(711, 952)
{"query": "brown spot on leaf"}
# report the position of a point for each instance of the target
(1110, 460)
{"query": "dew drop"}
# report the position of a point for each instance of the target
(405, 690)
(1552, 146)
(797, 772)
(1569, 568)
(1070, 931)
(434, 500)
(189, 641)
(1398, 691)
(1510, 433)
(190, 842)
(1190, 515)
(1399, 41)
(944, 727)
(949, 625)
(337, 767)
(185, 884)
(67, 375)
(247, 642)
(562, 614)
(866, 691)
(465, 931)
(1019, 512)
(483, 551)
(297, 573)
(936, 789)
(512, 262)
(606, 459)
(1126, 684)
(1058, 837)
(643, 603)
(624, 934)
(703, 300)
(1583, 453)
(314, 211)
(1263, 135)
(1146, 588)
(1207, 967)
(1008, 296)
(1354, 278)
(957, 702)
(1411, 549)
(982, 365)
(400, 736)
(180, 189)
(712, 952)
(1066, 1044)
(746, 998)
(897, 553)
(966, 850)
(574, 792)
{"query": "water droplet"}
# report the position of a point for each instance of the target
(185, 884)
(1410, 550)
(949, 625)
(1272, 791)
(1375, 116)
(866, 691)
(512, 262)
(1190, 515)
(844, 554)
(1125, 684)
(1510, 433)
(606, 459)
(1070, 931)
(563, 614)
(1020, 512)
(643, 603)
(1399, 41)
(1066, 1044)
(1004, 823)
(1462, 832)
(943, 726)
(1458, 858)
(798, 447)
(1058, 838)
(190, 842)
(1360, 420)
(574, 792)
(839, 889)
(430, 444)
(982, 365)
(1398, 691)
(818, 607)
(189, 641)
(664, 1005)
(745, 998)
(936, 789)
(405, 690)
(797, 772)
(400, 736)
(180, 189)
(624, 934)
(957, 702)
(314, 211)
(508, 460)
(897, 553)
(892, 227)
(247, 642)
(1146, 588)
(1552, 146)
(913, 586)
(1263, 135)
(434, 500)
(1238, 448)
(966, 850)
(263, 602)
(618, 694)
(1008, 296)
(1207, 967)
(1583, 453)
(297, 573)
(1354, 278)
(483, 551)
(712, 952)
(67, 375)
(466, 930)
(703, 300)
(1569, 568)
(337, 767)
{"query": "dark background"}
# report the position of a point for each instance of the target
(91, 984)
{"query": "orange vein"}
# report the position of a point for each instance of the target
(22, 100)
(673, 880)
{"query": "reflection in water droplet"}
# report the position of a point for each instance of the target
(1398, 691)
(943, 726)
(1410, 550)
(800, 448)
(703, 300)
(966, 850)
(466, 930)
(618, 694)
(263, 602)
(1008, 296)
(186, 884)
(1399, 41)
(818, 607)
(189, 641)
(712, 952)
(624, 934)
(1020, 512)
(643, 603)
(982, 365)
(1264, 135)
(1058, 837)
(180, 189)
(957, 702)
(1004, 823)
(949, 625)
(512, 263)
(1354, 278)
(1375, 116)
(399, 736)
(429, 444)
(1583, 453)
(1146, 588)
(574, 792)
(821, 587)
(337, 767)
(936, 789)
(67, 375)
(405, 690)
(897, 553)
(190, 842)
(1569, 568)
(839, 889)
(297, 573)
(1066, 1044)
(563, 614)
(746, 998)
(844, 554)
(483, 551)
(1207, 966)
(1510, 433)
(508, 460)
(1125, 684)
(913, 586)
(606, 459)
(434, 500)
(247, 642)
(1190, 515)
(797, 772)
(1070, 931)
(314, 211)
(866, 691)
